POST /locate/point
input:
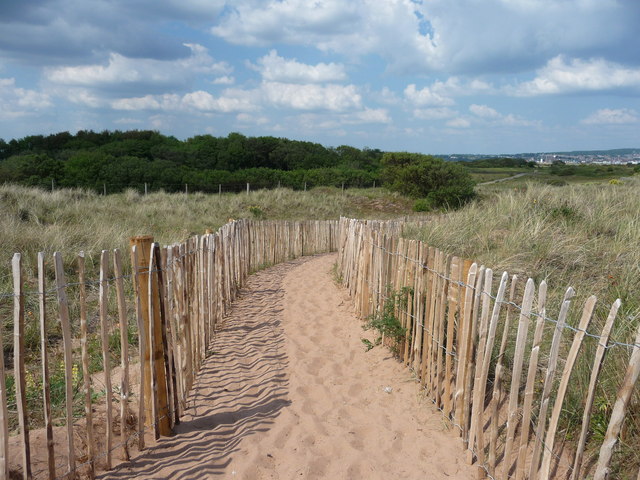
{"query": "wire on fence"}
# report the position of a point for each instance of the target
(610, 345)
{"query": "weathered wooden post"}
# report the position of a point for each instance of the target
(154, 401)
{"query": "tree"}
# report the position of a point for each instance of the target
(443, 184)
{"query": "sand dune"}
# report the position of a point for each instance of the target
(289, 392)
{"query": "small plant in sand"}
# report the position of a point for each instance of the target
(386, 323)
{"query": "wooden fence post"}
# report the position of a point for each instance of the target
(63, 308)
(46, 390)
(18, 364)
(143, 245)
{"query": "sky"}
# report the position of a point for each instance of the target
(430, 76)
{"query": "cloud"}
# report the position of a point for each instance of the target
(442, 93)
(123, 73)
(274, 68)
(312, 97)
(434, 113)
(224, 80)
(354, 29)
(484, 111)
(493, 117)
(459, 122)
(288, 96)
(426, 97)
(17, 102)
(608, 116)
(463, 36)
(576, 75)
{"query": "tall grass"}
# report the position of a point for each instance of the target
(68, 221)
(585, 236)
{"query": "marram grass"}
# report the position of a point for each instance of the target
(584, 236)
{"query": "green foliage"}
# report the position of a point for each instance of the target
(422, 205)
(500, 162)
(122, 160)
(385, 322)
(444, 184)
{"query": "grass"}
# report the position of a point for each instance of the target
(581, 235)
(70, 221)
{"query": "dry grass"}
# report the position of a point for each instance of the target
(69, 221)
(585, 236)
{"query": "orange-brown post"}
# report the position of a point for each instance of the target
(143, 245)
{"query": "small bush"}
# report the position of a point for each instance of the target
(422, 205)
(387, 324)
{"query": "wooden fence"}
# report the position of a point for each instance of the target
(469, 343)
(146, 332)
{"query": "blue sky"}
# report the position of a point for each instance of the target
(431, 76)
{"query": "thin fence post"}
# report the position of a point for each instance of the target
(4, 425)
(106, 356)
(124, 351)
(86, 374)
(18, 365)
(46, 390)
(219, 189)
(145, 189)
(63, 309)
(248, 188)
(618, 413)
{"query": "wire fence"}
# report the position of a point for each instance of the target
(174, 299)
(452, 319)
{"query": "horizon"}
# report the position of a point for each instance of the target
(543, 76)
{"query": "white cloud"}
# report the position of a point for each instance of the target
(434, 113)
(123, 71)
(608, 116)
(311, 97)
(484, 111)
(442, 93)
(224, 80)
(576, 75)
(426, 97)
(493, 117)
(437, 35)
(459, 122)
(16, 101)
(274, 68)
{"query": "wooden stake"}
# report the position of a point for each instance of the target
(585, 320)
(63, 310)
(18, 364)
(516, 373)
(124, 351)
(618, 412)
(142, 343)
(531, 377)
(4, 415)
(497, 380)
(595, 373)
(548, 382)
(46, 389)
(86, 374)
(106, 357)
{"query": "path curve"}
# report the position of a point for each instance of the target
(289, 392)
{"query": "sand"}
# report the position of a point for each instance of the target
(288, 391)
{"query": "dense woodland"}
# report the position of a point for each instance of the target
(122, 160)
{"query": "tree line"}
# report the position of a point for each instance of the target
(148, 158)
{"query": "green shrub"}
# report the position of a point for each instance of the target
(422, 205)
(445, 184)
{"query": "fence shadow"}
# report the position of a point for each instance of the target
(240, 390)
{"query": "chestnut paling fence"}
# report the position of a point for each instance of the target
(97, 362)
(497, 368)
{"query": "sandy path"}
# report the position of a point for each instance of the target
(291, 393)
